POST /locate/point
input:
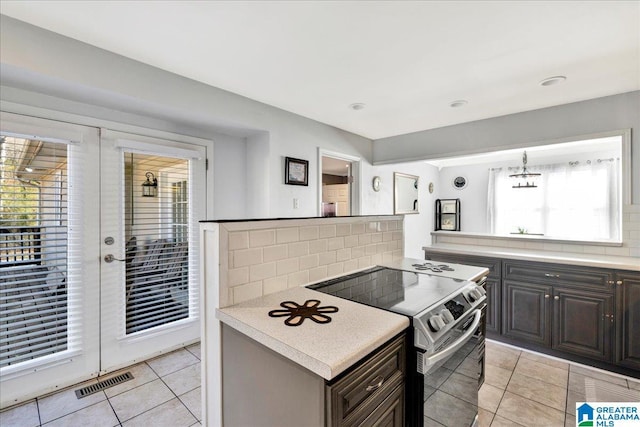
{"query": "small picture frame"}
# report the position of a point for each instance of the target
(449, 223)
(448, 206)
(296, 171)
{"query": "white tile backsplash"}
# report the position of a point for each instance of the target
(263, 257)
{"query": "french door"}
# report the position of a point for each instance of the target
(49, 259)
(153, 194)
(98, 251)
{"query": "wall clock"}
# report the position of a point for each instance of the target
(376, 183)
(459, 182)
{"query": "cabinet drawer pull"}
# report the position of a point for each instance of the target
(619, 282)
(376, 384)
(546, 296)
(556, 297)
(552, 275)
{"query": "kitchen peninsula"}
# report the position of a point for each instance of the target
(350, 365)
(246, 260)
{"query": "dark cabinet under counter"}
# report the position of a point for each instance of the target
(262, 387)
(590, 315)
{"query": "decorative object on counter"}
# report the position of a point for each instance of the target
(405, 195)
(459, 182)
(296, 313)
(376, 183)
(434, 268)
(150, 186)
(448, 214)
(525, 178)
(430, 187)
(296, 171)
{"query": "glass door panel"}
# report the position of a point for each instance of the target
(49, 284)
(153, 197)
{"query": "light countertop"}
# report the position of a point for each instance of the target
(325, 349)
(588, 260)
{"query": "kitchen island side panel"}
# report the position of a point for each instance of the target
(263, 388)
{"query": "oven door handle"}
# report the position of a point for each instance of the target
(435, 358)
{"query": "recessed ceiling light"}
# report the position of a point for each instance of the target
(552, 81)
(357, 106)
(458, 103)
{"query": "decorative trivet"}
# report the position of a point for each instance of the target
(296, 313)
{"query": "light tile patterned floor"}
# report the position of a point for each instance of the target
(165, 392)
(520, 386)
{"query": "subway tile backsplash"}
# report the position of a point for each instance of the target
(263, 257)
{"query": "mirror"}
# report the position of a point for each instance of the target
(405, 195)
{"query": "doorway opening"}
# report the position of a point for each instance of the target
(339, 177)
(336, 183)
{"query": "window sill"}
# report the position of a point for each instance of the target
(525, 238)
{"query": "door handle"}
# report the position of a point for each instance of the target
(111, 258)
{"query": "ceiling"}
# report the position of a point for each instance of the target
(406, 61)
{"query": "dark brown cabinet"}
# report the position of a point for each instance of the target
(587, 314)
(583, 323)
(564, 308)
(376, 387)
(526, 312)
(628, 320)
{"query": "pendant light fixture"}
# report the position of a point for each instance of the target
(525, 178)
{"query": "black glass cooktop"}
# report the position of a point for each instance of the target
(398, 291)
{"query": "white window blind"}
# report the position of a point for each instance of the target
(157, 231)
(34, 249)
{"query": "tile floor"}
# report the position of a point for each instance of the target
(520, 386)
(165, 392)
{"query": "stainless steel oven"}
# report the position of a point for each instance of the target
(446, 337)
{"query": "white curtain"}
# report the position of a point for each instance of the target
(579, 201)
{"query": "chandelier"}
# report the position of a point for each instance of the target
(525, 178)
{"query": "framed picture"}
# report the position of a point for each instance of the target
(449, 223)
(296, 171)
(448, 206)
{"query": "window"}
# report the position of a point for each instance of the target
(574, 200)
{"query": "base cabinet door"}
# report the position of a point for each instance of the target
(583, 323)
(628, 320)
(526, 312)
(492, 287)
(390, 413)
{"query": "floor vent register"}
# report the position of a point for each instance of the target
(104, 384)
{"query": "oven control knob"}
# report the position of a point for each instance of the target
(446, 315)
(474, 294)
(436, 322)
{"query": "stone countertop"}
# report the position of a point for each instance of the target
(587, 260)
(325, 349)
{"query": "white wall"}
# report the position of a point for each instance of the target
(43, 69)
(522, 130)
(417, 227)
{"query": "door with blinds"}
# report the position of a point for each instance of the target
(49, 259)
(153, 196)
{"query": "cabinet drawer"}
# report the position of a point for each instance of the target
(492, 264)
(555, 274)
(369, 383)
